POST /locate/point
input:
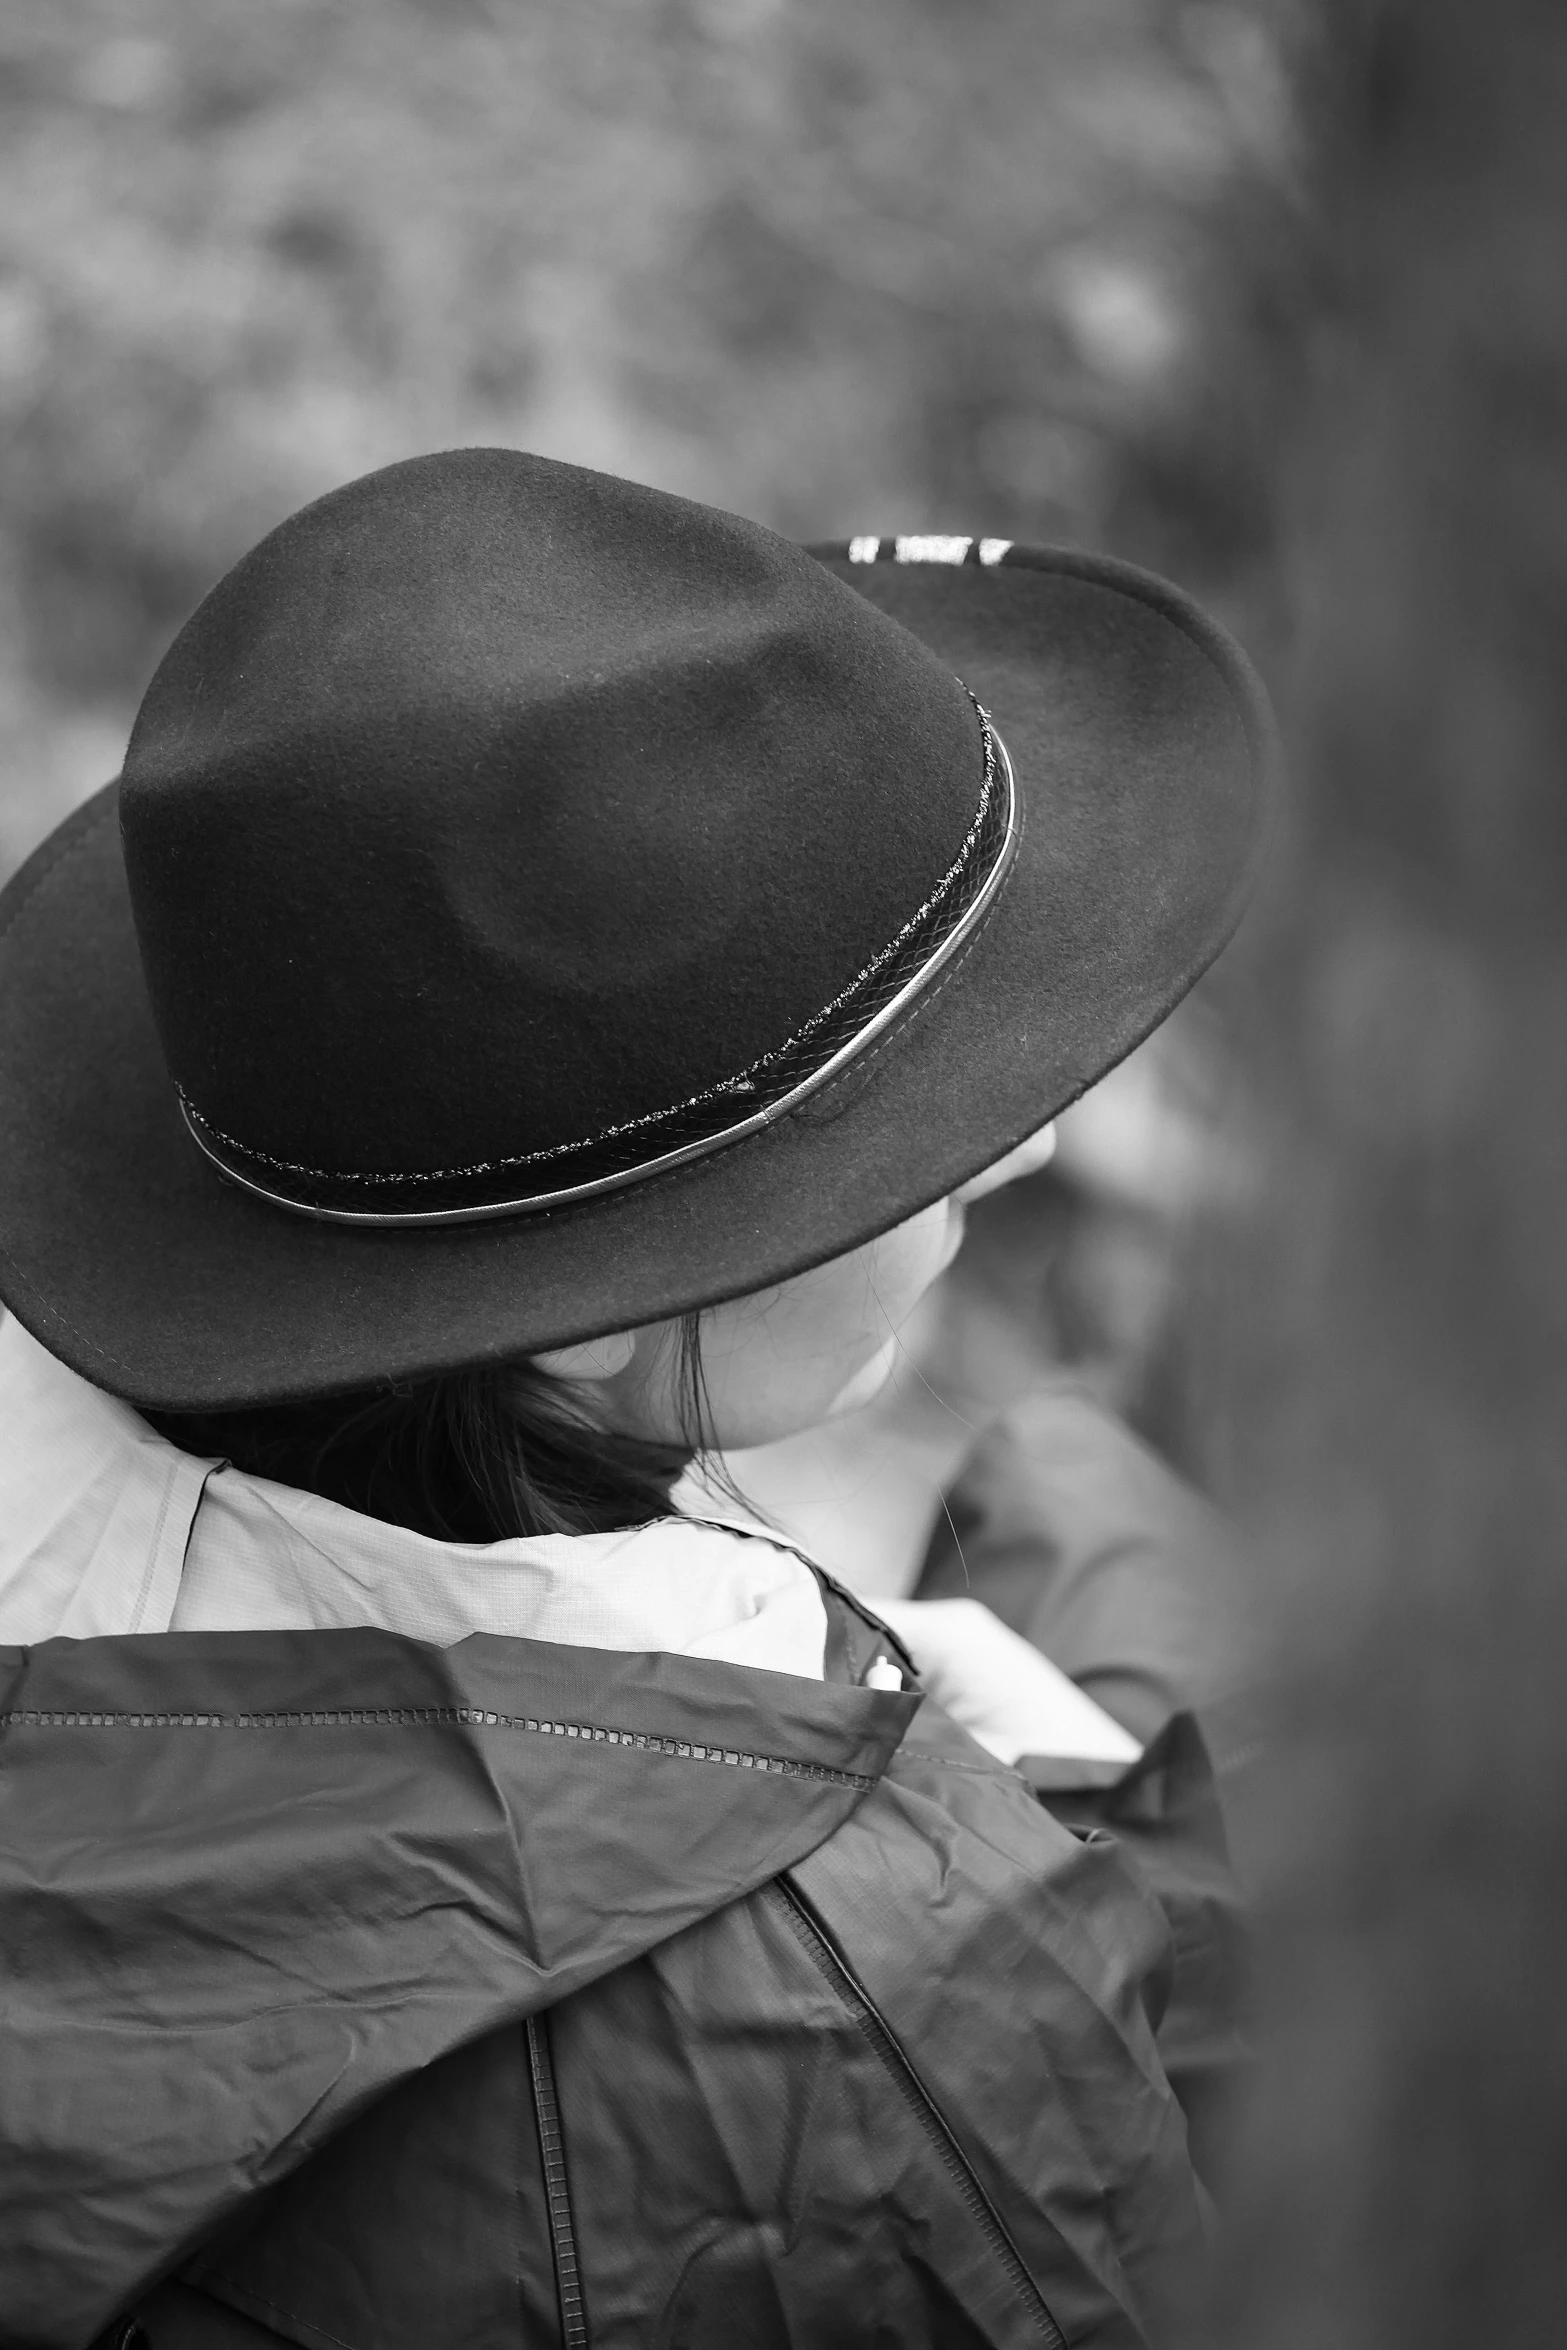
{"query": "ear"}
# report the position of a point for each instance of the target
(590, 1358)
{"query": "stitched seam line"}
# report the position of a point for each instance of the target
(155, 1547)
(741, 1084)
(198, 2268)
(49, 1312)
(920, 1756)
(438, 1716)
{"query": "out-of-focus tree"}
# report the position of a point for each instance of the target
(1399, 1361)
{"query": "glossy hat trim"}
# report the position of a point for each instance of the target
(219, 1148)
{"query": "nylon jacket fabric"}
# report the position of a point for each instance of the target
(1079, 1538)
(848, 2041)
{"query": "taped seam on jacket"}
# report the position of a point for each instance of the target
(423, 1717)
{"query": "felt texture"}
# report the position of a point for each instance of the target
(1143, 753)
(490, 803)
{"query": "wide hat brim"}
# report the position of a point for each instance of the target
(1143, 751)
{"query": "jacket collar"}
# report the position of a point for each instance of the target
(107, 1528)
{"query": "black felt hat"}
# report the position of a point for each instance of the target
(535, 905)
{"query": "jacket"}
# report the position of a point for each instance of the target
(382, 1995)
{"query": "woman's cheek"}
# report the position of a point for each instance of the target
(906, 1261)
(864, 1385)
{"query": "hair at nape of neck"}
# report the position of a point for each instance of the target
(484, 1454)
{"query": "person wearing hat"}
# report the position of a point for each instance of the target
(531, 1010)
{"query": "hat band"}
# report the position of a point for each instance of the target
(826, 1045)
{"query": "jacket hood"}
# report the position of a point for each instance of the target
(248, 1881)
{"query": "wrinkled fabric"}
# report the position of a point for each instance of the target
(854, 2042)
(1080, 1539)
(249, 1881)
(269, 1955)
(745, 2167)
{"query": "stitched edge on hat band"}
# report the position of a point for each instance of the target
(218, 1147)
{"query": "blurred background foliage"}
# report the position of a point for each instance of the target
(894, 266)
(902, 265)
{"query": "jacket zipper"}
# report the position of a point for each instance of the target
(557, 2197)
(924, 2109)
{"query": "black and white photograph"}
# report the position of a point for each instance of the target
(783, 1175)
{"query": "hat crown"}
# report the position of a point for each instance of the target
(491, 804)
